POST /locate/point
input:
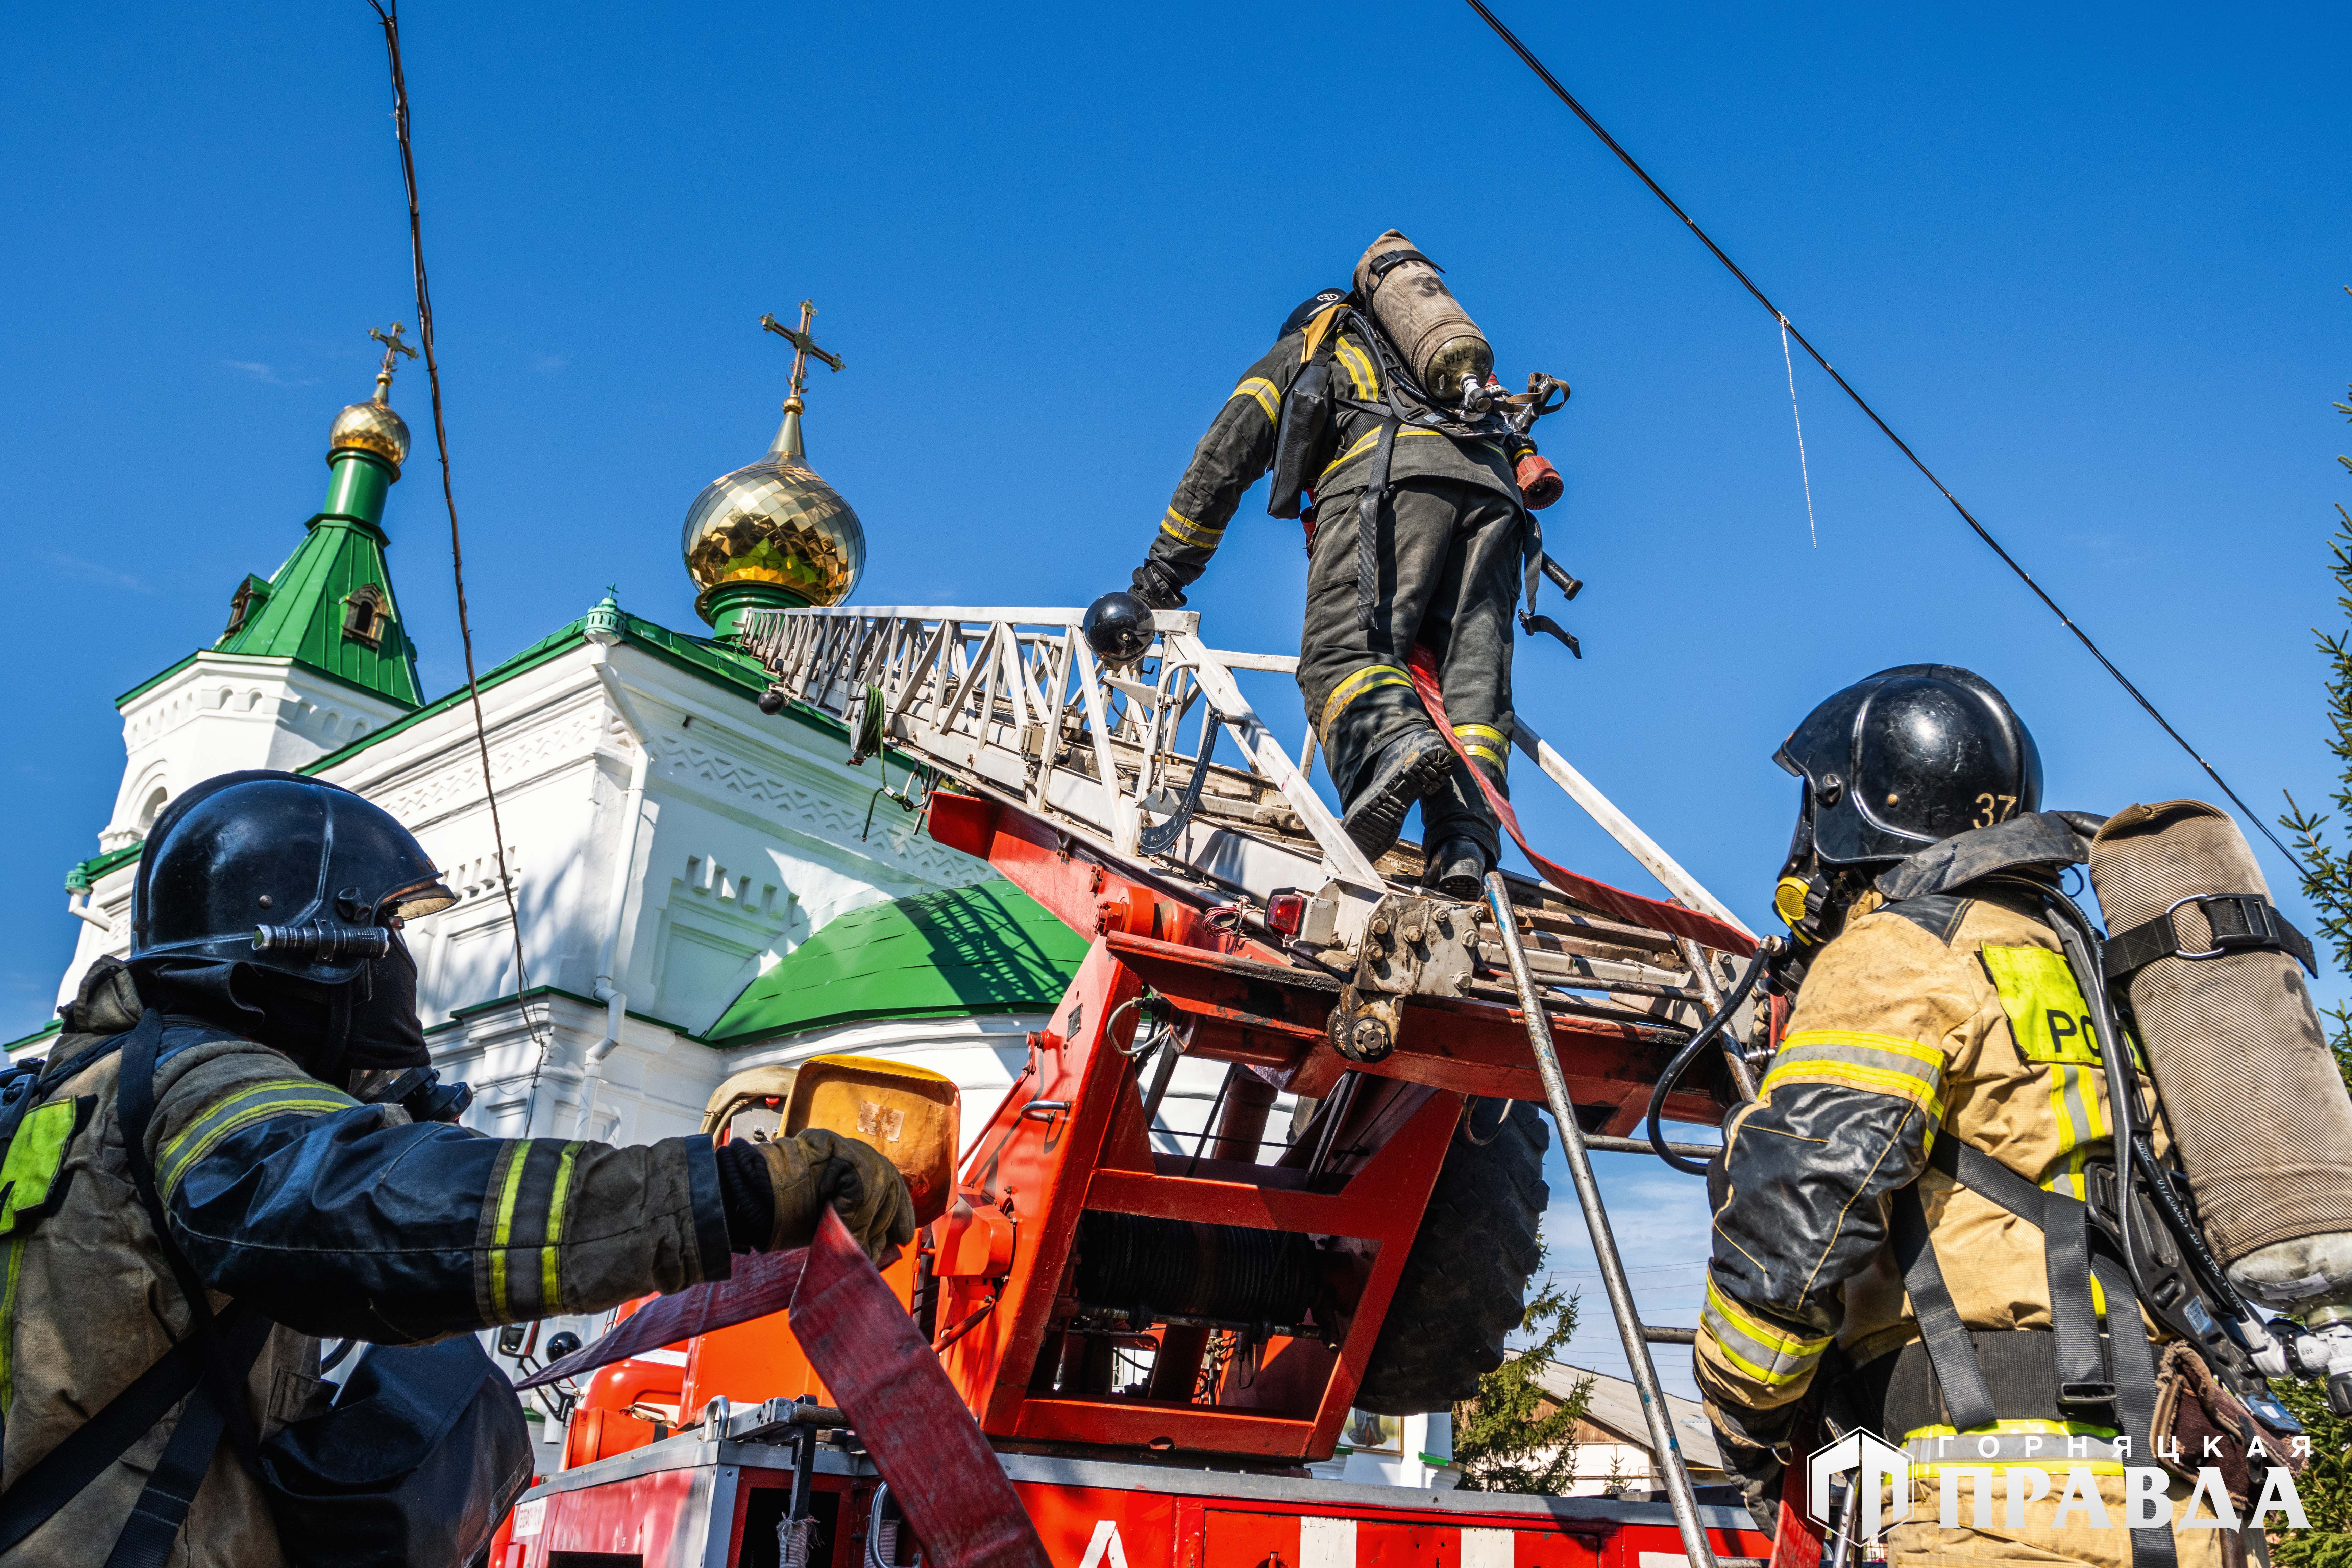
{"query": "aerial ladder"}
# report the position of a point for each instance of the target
(1150, 806)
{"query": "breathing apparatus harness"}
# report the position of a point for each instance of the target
(1303, 440)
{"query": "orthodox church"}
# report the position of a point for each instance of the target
(690, 886)
(699, 887)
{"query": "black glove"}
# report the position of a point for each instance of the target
(1157, 587)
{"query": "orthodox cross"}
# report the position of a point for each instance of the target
(393, 349)
(803, 346)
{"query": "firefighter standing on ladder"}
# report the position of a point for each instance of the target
(1937, 1079)
(1378, 403)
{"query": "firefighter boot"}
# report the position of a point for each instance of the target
(1457, 869)
(1410, 767)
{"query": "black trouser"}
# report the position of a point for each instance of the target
(1449, 574)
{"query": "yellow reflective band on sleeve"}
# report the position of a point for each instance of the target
(1185, 531)
(1773, 1357)
(259, 1102)
(1358, 366)
(502, 1230)
(2077, 1108)
(2047, 1014)
(550, 1255)
(1371, 678)
(1486, 743)
(1877, 1064)
(1269, 396)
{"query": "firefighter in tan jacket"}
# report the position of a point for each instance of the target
(1938, 1022)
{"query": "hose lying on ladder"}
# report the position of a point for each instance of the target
(1709, 1032)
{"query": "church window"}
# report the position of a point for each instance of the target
(364, 616)
(152, 807)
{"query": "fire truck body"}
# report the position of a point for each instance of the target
(690, 1502)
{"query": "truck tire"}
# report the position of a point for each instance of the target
(1465, 1283)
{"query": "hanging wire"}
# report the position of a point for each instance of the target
(387, 14)
(1550, 80)
(1804, 468)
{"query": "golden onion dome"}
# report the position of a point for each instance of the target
(371, 428)
(776, 522)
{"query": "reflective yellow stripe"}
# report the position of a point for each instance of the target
(1879, 1064)
(279, 1097)
(1358, 366)
(1932, 1449)
(1363, 444)
(1269, 396)
(504, 1230)
(1486, 742)
(8, 1325)
(1769, 1356)
(1371, 678)
(1185, 531)
(547, 1258)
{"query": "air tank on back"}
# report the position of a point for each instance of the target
(2256, 1111)
(1440, 345)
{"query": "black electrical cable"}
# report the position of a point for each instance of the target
(387, 14)
(1706, 1035)
(1966, 515)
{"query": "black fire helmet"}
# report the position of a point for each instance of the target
(1908, 758)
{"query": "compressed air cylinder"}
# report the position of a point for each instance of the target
(2257, 1111)
(1440, 345)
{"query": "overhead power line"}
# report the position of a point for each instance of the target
(388, 16)
(1861, 403)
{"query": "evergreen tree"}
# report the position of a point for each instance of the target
(2325, 1485)
(1503, 1439)
(2328, 883)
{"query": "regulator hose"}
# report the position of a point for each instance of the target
(1709, 1032)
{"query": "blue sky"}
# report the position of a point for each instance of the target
(2089, 261)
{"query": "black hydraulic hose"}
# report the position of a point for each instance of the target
(1691, 1050)
(2081, 944)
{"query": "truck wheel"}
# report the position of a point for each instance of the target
(1465, 1284)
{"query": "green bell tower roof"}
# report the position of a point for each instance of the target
(331, 605)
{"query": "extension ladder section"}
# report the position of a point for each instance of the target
(1087, 1289)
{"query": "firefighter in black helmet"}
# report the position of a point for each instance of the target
(1333, 410)
(1937, 1085)
(269, 992)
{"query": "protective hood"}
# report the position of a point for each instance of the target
(2045, 843)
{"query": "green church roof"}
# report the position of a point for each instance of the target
(985, 948)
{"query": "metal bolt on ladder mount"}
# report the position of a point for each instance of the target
(1654, 1412)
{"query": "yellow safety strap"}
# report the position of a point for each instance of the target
(1316, 326)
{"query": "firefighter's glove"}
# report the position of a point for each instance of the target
(1157, 587)
(813, 1168)
(1755, 1449)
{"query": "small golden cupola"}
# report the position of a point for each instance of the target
(772, 533)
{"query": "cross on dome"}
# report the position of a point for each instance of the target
(804, 347)
(393, 348)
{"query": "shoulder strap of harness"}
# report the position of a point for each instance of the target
(2085, 1385)
(220, 1354)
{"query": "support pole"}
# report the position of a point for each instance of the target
(1654, 1412)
